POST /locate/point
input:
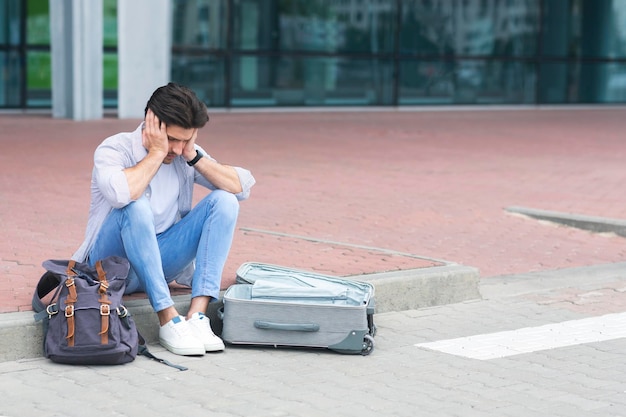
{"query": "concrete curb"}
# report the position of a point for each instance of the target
(579, 221)
(22, 338)
(423, 287)
(585, 278)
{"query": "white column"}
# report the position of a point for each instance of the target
(76, 49)
(144, 30)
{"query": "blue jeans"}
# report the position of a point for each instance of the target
(204, 234)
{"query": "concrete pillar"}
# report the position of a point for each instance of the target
(144, 29)
(76, 49)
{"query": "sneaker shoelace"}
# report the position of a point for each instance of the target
(205, 321)
(182, 330)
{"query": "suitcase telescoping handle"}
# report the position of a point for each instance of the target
(294, 327)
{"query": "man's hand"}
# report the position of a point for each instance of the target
(154, 139)
(189, 151)
(154, 135)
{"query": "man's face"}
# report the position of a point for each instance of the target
(177, 138)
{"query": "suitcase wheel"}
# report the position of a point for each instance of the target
(368, 345)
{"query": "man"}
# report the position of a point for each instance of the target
(141, 196)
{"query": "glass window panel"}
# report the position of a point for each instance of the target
(583, 83)
(203, 74)
(558, 25)
(426, 82)
(37, 23)
(613, 82)
(315, 25)
(38, 79)
(602, 28)
(618, 33)
(10, 21)
(466, 82)
(311, 81)
(200, 23)
(109, 79)
(471, 27)
(4, 22)
(584, 28)
(109, 23)
(10, 79)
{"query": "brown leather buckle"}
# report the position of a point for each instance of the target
(104, 286)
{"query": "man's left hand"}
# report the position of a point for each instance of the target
(189, 151)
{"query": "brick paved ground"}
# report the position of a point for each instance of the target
(348, 192)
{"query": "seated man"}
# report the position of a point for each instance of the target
(141, 197)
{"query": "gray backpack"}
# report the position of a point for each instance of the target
(85, 321)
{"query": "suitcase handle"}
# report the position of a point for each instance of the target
(294, 327)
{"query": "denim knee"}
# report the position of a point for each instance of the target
(139, 213)
(223, 204)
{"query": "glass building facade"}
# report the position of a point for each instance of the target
(272, 53)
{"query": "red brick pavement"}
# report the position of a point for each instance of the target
(348, 192)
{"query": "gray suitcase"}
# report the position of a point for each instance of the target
(278, 306)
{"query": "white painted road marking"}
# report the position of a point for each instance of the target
(534, 339)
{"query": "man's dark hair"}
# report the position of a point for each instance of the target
(177, 105)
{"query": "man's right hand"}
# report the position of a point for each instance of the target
(154, 135)
(154, 139)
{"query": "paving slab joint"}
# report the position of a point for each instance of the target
(21, 337)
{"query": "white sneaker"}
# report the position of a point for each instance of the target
(201, 326)
(177, 337)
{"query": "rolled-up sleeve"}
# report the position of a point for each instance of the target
(247, 181)
(109, 165)
(245, 178)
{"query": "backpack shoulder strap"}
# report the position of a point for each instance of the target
(143, 350)
(48, 282)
